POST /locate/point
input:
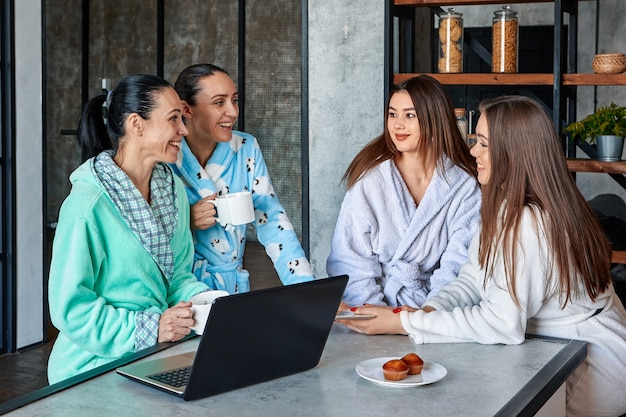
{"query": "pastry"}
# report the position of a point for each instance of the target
(415, 363)
(395, 370)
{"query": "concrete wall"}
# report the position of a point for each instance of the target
(29, 175)
(346, 103)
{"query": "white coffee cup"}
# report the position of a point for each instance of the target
(201, 307)
(234, 209)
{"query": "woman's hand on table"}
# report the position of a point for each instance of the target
(203, 213)
(175, 322)
(387, 320)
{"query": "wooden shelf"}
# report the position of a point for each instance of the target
(594, 79)
(461, 2)
(594, 165)
(484, 79)
(519, 79)
(618, 257)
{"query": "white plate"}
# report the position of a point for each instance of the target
(349, 315)
(372, 370)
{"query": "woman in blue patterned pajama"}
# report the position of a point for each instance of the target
(216, 160)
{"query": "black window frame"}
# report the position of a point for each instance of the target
(7, 184)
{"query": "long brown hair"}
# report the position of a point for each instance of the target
(435, 114)
(529, 170)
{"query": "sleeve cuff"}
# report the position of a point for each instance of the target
(146, 329)
(415, 334)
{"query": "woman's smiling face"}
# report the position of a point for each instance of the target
(216, 109)
(402, 122)
(165, 128)
(480, 151)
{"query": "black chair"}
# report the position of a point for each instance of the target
(611, 211)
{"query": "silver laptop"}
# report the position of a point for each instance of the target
(250, 338)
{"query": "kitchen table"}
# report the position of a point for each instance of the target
(481, 380)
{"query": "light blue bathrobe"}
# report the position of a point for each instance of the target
(236, 166)
(396, 252)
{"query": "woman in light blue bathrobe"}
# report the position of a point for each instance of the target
(412, 204)
(216, 160)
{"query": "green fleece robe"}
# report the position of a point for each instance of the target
(101, 277)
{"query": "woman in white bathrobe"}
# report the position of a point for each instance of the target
(539, 265)
(412, 204)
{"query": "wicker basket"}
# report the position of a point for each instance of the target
(609, 63)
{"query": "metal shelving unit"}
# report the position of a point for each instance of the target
(564, 78)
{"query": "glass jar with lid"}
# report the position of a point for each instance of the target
(461, 121)
(505, 38)
(450, 41)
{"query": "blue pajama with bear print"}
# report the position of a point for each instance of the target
(237, 166)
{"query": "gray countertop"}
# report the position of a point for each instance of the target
(482, 380)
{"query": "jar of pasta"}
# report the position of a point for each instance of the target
(451, 41)
(505, 40)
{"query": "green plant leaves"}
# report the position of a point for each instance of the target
(607, 120)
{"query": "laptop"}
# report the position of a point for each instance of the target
(250, 338)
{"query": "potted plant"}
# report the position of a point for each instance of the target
(606, 127)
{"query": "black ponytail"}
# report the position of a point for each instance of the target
(92, 132)
(134, 94)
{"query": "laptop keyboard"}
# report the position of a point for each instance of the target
(175, 377)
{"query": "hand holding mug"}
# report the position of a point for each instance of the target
(203, 213)
(229, 210)
(175, 322)
(201, 306)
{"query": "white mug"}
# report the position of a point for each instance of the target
(234, 209)
(201, 307)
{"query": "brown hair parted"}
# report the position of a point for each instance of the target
(435, 114)
(528, 169)
(187, 84)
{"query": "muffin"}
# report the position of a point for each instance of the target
(395, 370)
(414, 362)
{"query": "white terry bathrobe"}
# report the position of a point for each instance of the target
(396, 252)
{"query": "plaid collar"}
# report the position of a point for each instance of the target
(153, 224)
